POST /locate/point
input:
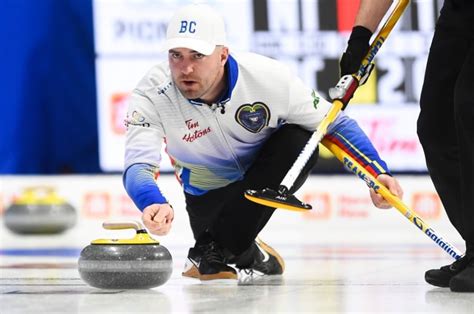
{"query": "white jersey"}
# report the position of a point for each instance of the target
(213, 145)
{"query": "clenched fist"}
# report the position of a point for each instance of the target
(157, 218)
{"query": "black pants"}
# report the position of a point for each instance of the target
(231, 219)
(446, 124)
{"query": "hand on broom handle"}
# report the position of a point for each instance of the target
(353, 166)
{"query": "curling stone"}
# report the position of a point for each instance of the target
(136, 263)
(39, 210)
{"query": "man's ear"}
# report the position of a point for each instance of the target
(224, 55)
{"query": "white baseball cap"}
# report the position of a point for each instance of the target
(198, 27)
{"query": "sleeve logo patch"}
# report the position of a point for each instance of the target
(315, 99)
(136, 119)
(253, 117)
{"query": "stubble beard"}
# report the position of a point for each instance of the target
(194, 92)
(198, 90)
(190, 94)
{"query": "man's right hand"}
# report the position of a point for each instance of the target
(357, 48)
(157, 218)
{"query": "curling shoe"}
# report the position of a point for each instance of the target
(266, 261)
(212, 264)
(206, 262)
(464, 281)
(442, 277)
(191, 266)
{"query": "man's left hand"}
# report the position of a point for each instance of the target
(390, 183)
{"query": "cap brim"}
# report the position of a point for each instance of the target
(190, 43)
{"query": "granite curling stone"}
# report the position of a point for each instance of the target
(39, 210)
(136, 263)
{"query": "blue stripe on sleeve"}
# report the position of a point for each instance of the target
(346, 133)
(139, 182)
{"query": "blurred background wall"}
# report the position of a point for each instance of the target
(69, 65)
(48, 90)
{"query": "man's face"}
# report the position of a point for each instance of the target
(197, 75)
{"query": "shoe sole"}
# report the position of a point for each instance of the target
(193, 272)
(272, 252)
(222, 275)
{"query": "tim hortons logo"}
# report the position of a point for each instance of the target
(195, 131)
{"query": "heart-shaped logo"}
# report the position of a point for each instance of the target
(253, 117)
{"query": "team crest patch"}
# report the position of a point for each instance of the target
(253, 117)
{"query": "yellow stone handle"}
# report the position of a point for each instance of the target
(141, 236)
(119, 225)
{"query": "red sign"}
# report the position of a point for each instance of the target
(321, 203)
(427, 204)
(96, 205)
(119, 102)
